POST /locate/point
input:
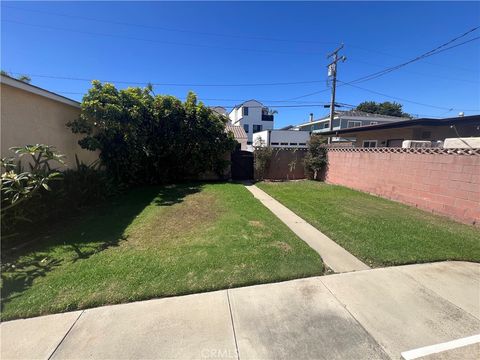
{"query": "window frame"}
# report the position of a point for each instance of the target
(244, 110)
(258, 126)
(246, 128)
(354, 121)
(370, 141)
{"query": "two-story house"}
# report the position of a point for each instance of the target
(253, 117)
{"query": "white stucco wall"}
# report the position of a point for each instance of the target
(282, 138)
(254, 117)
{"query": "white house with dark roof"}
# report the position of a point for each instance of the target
(253, 116)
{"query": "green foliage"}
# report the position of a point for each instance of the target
(316, 157)
(148, 139)
(385, 108)
(263, 157)
(17, 185)
(79, 188)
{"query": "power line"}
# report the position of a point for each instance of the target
(420, 73)
(163, 28)
(161, 41)
(375, 51)
(171, 29)
(404, 100)
(437, 50)
(172, 84)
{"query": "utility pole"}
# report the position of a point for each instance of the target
(332, 73)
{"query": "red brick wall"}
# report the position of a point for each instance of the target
(446, 184)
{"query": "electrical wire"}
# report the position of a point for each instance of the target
(428, 54)
(163, 41)
(163, 28)
(172, 84)
(403, 99)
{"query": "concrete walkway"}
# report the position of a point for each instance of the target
(333, 255)
(373, 314)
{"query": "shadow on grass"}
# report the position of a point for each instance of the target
(77, 239)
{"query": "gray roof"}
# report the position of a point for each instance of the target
(238, 131)
(472, 119)
(356, 113)
(366, 114)
(240, 105)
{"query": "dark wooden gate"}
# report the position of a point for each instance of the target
(242, 165)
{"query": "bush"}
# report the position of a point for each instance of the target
(45, 204)
(263, 157)
(147, 139)
(19, 187)
(316, 157)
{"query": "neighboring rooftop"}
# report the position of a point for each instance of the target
(355, 114)
(238, 131)
(464, 120)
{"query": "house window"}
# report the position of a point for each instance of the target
(426, 135)
(373, 122)
(274, 143)
(245, 127)
(302, 144)
(351, 124)
(249, 143)
(285, 144)
(293, 144)
(369, 143)
(394, 142)
(257, 128)
(326, 125)
(245, 110)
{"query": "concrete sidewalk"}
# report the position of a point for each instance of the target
(333, 255)
(372, 314)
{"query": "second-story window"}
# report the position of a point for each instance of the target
(245, 110)
(245, 127)
(257, 128)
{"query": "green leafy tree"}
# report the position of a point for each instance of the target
(385, 108)
(145, 138)
(316, 157)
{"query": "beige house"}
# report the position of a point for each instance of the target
(32, 115)
(393, 134)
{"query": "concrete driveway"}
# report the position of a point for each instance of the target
(371, 314)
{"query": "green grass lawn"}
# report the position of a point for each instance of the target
(154, 242)
(376, 230)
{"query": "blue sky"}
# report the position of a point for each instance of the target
(233, 43)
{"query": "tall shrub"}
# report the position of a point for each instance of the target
(316, 157)
(148, 139)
